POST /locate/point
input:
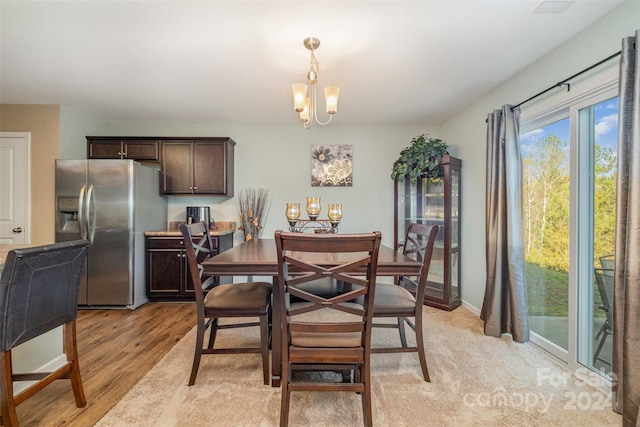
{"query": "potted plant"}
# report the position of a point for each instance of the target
(421, 159)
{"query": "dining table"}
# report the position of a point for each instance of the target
(258, 257)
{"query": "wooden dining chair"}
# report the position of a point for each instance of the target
(235, 300)
(326, 333)
(404, 299)
(38, 293)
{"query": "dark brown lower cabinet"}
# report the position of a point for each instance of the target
(167, 268)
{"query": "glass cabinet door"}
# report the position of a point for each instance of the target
(435, 202)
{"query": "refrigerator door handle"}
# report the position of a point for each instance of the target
(90, 215)
(81, 212)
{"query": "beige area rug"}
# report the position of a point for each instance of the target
(475, 381)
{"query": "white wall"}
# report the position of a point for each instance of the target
(75, 125)
(279, 158)
(467, 129)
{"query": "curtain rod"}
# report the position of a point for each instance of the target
(566, 81)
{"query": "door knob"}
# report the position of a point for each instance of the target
(17, 230)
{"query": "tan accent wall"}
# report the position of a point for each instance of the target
(43, 122)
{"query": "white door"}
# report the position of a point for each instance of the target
(14, 187)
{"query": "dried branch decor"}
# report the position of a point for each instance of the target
(253, 204)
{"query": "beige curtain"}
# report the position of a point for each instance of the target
(626, 308)
(504, 309)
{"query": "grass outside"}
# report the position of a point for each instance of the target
(548, 292)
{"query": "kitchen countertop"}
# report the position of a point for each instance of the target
(220, 228)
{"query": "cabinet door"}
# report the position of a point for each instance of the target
(209, 168)
(141, 150)
(105, 150)
(177, 168)
(165, 271)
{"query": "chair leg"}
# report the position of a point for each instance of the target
(213, 333)
(286, 396)
(367, 415)
(600, 345)
(264, 344)
(601, 331)
(403, 334)
(71, 348)
(420, 345)
(197, 355)
(8, 410)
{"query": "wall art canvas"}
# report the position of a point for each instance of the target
(331, 165)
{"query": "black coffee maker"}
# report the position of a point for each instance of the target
(198, 214)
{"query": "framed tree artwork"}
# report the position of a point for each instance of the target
(331, 165)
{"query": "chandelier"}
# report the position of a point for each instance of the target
(305, 105)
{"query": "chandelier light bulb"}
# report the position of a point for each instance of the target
(299, 96)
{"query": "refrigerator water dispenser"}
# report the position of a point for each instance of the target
(68, 215)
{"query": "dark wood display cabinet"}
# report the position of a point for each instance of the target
(134, 148)
(167, 267)
(198, 166)
(435, 201)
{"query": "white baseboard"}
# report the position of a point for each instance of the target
(470, 307)
(20, 386)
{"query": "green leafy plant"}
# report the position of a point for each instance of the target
(421, 159)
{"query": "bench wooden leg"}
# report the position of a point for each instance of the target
(74, 365)
(9, 417)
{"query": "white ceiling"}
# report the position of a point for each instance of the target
(397, 62)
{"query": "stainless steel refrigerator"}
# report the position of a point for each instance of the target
(111, 203)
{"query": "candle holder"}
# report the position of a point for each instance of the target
(313, 207)
(292, 213)
(335, 214)
(319, 226)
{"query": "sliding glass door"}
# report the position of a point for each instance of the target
(545, 152)
(598, 139)
(569, 186)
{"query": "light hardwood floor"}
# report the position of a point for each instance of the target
(116, 349)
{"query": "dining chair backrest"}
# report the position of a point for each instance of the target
(607, 263)
(39, 290)
(199, 247)
(295, 269)
(419, 243)
(604, 281)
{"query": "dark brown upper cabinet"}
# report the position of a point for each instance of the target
(197, 166)
(140, 149)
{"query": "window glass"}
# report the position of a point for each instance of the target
(545, 153)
